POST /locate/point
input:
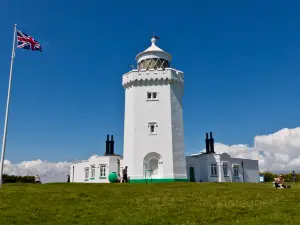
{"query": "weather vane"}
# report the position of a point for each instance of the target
(156, 37)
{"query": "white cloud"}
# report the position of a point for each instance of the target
(278, 152)
(48, 171)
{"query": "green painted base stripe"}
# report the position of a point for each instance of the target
(167, 180)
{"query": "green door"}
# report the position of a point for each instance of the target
(192, 174)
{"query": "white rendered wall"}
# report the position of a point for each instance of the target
(202, 167)
(179, 160)
(213, 159)
(194, 162)
(166, 112)
(225, 158)
(201, 164)
(251, 170)
(79, 169)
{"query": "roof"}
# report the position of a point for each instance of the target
(154, 49)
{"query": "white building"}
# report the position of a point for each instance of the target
(154, 134)
(213, 167)
(153, 126)
(97, 168)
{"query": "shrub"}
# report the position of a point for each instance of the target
(17, 179)
(269, 177)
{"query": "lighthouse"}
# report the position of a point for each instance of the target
(154, 148)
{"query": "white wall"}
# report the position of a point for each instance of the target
(202, 165)
(251, 170)
(199, 163)
(225, 158)
(79, 169)
(138, 142)
(179, 160)
(213, 159)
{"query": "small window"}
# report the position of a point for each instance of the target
(152, 128)
(213, 169)
(154, 95)
(93, 172)
(236, 172)
(225, 169)
(87, 173)
(151, 96)
(102, 170)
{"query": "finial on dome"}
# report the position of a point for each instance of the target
(153, 41)
(153, 52)
(154, 38)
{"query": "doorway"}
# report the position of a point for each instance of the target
(192, 174)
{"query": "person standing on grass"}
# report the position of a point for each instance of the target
(119, 178)
(124, 180)
(294, 176)
(68, 179)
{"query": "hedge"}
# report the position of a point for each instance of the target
(287, 177)
(17, 179)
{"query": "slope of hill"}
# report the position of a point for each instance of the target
(179, 203)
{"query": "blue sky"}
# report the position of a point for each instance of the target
(241, 61)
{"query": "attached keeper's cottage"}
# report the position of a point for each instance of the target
(97, 168)
(212, 167)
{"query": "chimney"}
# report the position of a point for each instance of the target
(112, 145)
(211, 144)
(107, 142)
(207, 144)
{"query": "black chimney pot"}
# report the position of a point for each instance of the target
(207, 144)
(107, 142)
(112, 145)
(211, 144)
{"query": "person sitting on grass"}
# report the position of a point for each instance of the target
(279, 182)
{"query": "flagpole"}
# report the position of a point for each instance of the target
(7, 106)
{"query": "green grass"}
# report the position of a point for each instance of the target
(171, 203)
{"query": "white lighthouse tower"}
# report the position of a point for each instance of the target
(154, 148)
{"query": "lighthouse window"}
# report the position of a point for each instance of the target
(152, 128)
(151, 96)
(154, 63)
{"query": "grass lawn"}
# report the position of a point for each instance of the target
(169, 203)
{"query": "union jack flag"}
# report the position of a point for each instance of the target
(27, 42)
